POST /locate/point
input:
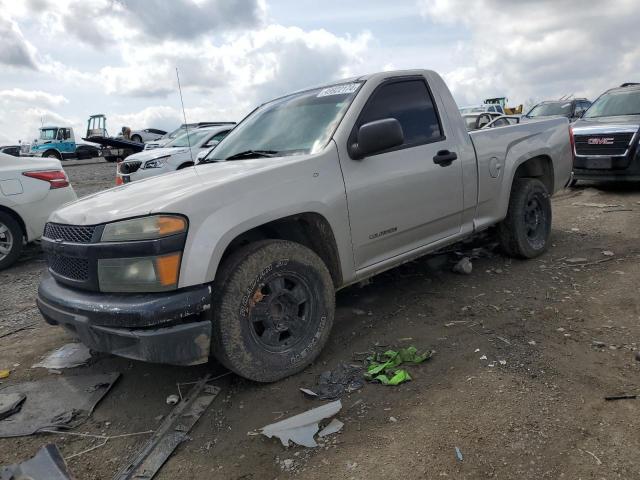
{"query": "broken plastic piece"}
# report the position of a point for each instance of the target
(334, 427)
(301, 428)
(47, 464)
(55, 402)
(311, 393)
(383, 367)
(464, 266)
(173, 399)
(10, 403)
(68, 356)
(458, 454)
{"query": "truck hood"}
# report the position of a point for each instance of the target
(622, 123)
(161, 193)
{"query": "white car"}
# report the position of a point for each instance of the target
(181, 130)
(146, 135)
(485, 107)
(177, 154)
(30, 190)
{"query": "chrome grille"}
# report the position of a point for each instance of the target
(69, 233)
(614, 144)
(69, 267)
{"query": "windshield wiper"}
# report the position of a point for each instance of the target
(253, 153)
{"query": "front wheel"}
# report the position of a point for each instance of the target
(525, 232)
(273, 310)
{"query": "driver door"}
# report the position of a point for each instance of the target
(401, 199)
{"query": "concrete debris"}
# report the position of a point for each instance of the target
(464, 266)
(334, 427)
(608, 253)
(47, 464)
(483, 357)
(10, 403)
(301, 428)
(68, 356)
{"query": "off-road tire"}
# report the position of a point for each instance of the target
(529, 202)
(242, 290)
(15, 231)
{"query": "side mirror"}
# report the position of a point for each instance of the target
(203, 154)
(377, 136)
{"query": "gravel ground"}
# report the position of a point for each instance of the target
(558, 334)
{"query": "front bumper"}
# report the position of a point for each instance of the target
(171, 328)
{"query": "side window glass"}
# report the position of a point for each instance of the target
(410, 103)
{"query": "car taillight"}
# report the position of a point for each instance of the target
(573, 143)
(56, 178)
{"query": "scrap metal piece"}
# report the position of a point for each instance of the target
(334, 427)
(10, 403)
(55, 402)
(171, 433)
(301, 428)
(47, 464)
(68, 356)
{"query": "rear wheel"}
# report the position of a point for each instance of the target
(273, 310)
(525, 232)
(10, 240)
(52, 154)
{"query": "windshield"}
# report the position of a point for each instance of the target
(295, 125)
(193, 138)
(615, 103)
(550, 109)
(48, 133)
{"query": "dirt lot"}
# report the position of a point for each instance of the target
(558, 335)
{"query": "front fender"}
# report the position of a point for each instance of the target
(314, 185)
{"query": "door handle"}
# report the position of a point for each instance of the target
(444, 158)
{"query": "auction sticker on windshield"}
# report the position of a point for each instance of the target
(339, 89)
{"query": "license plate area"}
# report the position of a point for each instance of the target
(598, 163)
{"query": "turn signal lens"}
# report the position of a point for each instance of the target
(167, 269)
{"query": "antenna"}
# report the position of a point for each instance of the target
(184, 114)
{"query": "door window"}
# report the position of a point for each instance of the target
(410, 103)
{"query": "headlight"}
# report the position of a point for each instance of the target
(144, 228)
(156, 162)
(139, 274)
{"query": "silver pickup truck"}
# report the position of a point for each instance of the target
(239, 257)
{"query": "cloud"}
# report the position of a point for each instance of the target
(542, 49)
(15, 51)
(39, 97)
(187, 19)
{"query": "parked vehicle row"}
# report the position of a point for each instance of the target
(180, 153)
(240, 255)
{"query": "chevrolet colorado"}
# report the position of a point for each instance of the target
(239, 256)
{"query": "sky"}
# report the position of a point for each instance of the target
(63, 60)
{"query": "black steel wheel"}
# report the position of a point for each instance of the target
(525, 232)
(273, 309)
